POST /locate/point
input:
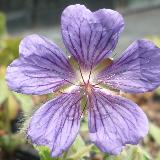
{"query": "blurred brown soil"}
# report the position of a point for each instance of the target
(150, 103)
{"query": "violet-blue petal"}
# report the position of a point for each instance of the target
(114, 122)
(90, 36)
(56, 123)
(136, 71)
(41, 68)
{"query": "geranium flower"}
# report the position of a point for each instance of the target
(90, 38)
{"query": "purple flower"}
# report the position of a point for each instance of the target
(90, 37)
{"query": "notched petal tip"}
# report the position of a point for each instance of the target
(90, 36)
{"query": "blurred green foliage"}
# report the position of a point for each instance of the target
(10, 102)
(155, 39)
(9, 143)
(131, 153)
(8, 45)
(2, 25)
(154, 131)
(9, 51)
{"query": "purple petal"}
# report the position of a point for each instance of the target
(41, 68)
(56, 123)
(114, 122)
(90, 36)
(138, 70)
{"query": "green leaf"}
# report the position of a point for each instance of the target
(78, 144)
(81, 153)
(45, 154)
(154, 131)
(130, 153)
(137, 153)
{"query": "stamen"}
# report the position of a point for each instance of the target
(97, 84)
(71, 83)
(90, 73)
(84, 108)
(81, 74)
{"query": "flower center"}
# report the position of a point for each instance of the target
(86, 82)
(87, 88)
